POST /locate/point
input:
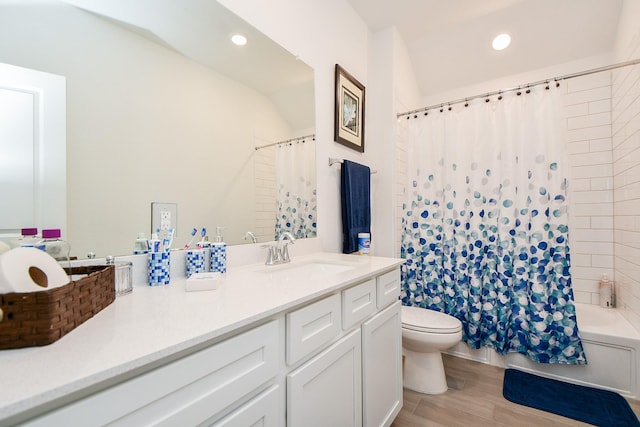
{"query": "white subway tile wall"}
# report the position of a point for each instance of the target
(265, 179)
(626, 185)
(588, 122)
(400, 174)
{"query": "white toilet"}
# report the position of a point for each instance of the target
(425, 333)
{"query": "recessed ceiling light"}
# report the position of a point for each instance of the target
(501, 41)
(239, 39)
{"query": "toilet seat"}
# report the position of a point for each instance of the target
(431, 321)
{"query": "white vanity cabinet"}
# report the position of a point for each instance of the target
(334, 360)
(357, 379)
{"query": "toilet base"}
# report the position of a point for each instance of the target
(424, 372)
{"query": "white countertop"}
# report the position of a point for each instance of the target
(151, 324)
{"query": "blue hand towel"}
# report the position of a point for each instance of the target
(355, 192)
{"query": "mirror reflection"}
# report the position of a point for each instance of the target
(161, 107)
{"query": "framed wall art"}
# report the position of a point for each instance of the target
(349, 111)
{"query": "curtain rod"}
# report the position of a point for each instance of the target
(498, 92)
(300, 138)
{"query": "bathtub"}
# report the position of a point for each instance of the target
(610, 343)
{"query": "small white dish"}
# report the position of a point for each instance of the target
(203, 282)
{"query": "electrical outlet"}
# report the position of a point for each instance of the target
(165, 220)
(164, 216)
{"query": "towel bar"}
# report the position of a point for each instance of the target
(333, 161)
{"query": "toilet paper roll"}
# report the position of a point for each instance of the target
(30, 270)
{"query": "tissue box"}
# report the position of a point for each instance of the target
(41, 318)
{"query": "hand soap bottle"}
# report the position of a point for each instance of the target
(29, 238)
(219, 253)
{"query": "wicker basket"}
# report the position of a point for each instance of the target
(41, 318)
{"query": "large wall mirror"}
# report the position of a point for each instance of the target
(161, 107)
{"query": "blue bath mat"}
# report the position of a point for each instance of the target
(586, 404)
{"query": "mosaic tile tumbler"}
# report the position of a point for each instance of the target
(219, 257)
(159, 268)
(195, 261)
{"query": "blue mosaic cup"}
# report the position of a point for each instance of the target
(195, 261)
(218, 257)
(159, 268)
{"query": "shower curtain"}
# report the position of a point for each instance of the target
(296, 206)
(485, 224)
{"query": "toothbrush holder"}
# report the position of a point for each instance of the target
(159, 268)
(195, 261)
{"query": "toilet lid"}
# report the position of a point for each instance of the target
(424, 320)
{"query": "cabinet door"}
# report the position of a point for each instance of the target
(327, 390)
(382, 367)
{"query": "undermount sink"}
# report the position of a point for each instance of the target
(308, 269)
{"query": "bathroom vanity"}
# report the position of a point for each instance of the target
(313, 342)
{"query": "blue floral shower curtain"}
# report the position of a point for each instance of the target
(485, 225)
(296, 205)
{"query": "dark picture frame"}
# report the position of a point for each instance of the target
(349, 110)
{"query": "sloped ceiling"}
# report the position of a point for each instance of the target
(201, 31)
(449, 42)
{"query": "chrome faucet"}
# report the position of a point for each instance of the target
(278, 253)
(250, 235)
(283, 247)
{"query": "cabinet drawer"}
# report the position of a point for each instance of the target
(310, 327)
(388, 288)
(264, 410)
(358, 303)
(185, 392)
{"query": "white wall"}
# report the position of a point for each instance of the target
(407, 97)
(401, 89)
(323, 33)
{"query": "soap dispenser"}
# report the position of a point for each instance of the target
(219, 253)
(606, 291)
